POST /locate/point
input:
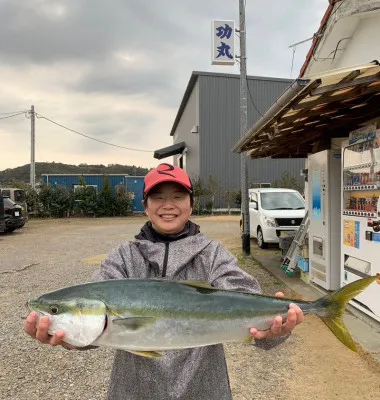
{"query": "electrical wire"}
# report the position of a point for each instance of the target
(322, 59)
(317, 59)
(89, 137)
(253, 103)
(291, 68)
(14, 112)
(246, 79)
(11, 116)
(335, 11)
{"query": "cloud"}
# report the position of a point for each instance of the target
(117, 70)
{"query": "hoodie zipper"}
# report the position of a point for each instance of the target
(165, 260)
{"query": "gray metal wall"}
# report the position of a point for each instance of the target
(219, 130)
(189, 119)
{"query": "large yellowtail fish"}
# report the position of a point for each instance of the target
(148, 316)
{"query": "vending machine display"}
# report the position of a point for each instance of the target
(361, 216)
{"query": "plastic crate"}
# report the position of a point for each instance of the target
(303, 264)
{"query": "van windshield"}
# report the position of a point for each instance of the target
(282, 201)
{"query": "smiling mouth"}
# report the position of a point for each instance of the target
(168, 217)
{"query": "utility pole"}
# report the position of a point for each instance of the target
(32, 149)
(246, 241)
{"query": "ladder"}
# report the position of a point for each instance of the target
(290, 260)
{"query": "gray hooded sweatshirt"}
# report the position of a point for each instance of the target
(191, 374)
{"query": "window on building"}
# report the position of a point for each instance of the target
(95, 187)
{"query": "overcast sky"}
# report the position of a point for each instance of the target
(116, 70)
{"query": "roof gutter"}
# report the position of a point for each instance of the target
(295, 88)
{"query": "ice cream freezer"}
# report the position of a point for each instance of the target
(360, 227)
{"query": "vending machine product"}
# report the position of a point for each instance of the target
(324, 194)
(361, 215)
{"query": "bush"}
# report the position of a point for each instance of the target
(56, 201)
(59, 201)
(86, 199)
(123, 200)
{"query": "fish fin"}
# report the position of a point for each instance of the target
(248, 339)
(336, 302)
(338, 328)
(134, 323)
(148, 354)
(192, 283)
(197, 284)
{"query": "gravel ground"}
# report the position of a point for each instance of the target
(49, 254)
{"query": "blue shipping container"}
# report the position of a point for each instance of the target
(133, 184)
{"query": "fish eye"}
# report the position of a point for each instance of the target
(54, 309)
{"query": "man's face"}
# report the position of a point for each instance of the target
(168, 207)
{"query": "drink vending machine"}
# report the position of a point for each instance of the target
(324, 186)
(361, 216)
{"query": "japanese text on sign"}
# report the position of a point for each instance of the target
(223, 42)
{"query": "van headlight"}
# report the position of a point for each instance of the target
(269, 221)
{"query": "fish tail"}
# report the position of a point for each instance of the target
(335, 304)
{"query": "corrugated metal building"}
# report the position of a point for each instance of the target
(207, 126)
(133, 184)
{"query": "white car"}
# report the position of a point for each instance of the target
(272, 211)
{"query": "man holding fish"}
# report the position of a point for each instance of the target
(168, 248)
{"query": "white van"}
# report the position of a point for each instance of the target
(272, 211)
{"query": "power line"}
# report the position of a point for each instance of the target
(14, 112)
(253, 103)
(11, 116)
(249, 91)
(89, 137)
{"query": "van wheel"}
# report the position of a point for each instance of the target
(260, 239)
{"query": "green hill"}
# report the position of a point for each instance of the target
(23, 173)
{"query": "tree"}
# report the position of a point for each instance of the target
(86, 198)
(123, 200)
(199, 190)
(56, 201)
(233, 196)
(212, 188)
(287, 182)
(106, 200)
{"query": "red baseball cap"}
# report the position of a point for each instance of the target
(166, 173)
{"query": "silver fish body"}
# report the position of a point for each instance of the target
(153, 315)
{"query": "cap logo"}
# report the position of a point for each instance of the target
(166, 171)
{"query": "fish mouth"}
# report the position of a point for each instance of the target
(30, 308)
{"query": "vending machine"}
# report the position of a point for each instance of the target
(361, 216)
(324, 201)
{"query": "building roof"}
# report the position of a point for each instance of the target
(337, 30)
(170, 150)
(329, 105)
(192, 81)
(318, 35)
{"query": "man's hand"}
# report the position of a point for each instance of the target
(295, 317)
(40, 331)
